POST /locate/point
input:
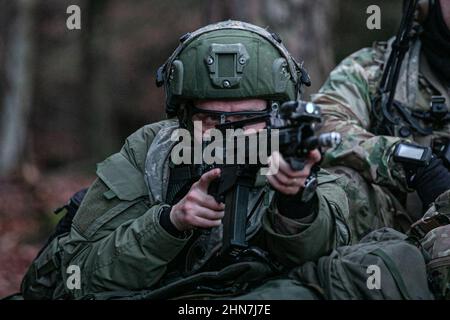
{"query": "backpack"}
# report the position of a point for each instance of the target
(346, 274)
(43, 279)
(383, 265)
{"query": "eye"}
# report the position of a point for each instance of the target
(238, 117)
(211, 118)
(208, 119)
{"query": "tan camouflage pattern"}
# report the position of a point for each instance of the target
(436, 245)
(371, 207)
(345, 100)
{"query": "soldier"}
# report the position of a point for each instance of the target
(382, 170)
(146, 223)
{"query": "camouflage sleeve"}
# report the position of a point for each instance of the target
(116, 239)
(345, 100)
(296, 241)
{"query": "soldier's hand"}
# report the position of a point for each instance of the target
(430, 181)
(198, 209)
(286, 180)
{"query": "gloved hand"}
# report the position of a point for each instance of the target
(430, 181)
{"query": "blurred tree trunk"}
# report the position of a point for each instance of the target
(219, 10)
(18, 92)
(97, 105)
(306, 29)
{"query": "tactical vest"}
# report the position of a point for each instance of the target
(168, 184)
(419, 99)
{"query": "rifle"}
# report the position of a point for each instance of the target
(390, 116)
(295, 124)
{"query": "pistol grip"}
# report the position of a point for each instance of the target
(213, 190)
(296, 164)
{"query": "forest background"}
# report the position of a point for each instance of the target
(69, 98)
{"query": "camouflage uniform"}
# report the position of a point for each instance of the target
(118, 243)
(376, 185)
(436, 248)
(118, 239)
(122, 250)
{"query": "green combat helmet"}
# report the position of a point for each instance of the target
(436, 245)
(230, 60)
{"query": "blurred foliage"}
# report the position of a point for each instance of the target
(351, 33)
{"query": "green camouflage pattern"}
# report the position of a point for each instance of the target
(345, 100)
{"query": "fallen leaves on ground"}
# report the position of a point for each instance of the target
(26, 220)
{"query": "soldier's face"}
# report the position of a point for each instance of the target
(445, 5)
(209, 122)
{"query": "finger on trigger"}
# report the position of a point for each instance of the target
(208, 177)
